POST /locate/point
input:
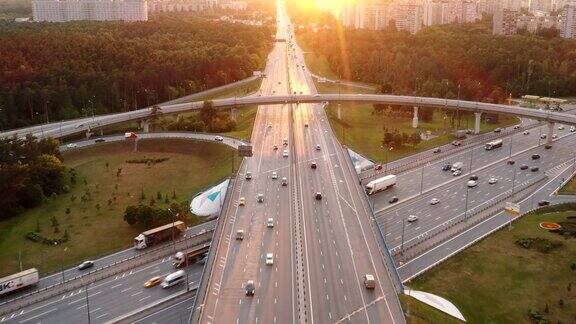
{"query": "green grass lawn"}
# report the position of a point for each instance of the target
(363, 131)
(319, 65)
(497, 281)
(569, 188)
(94, 231)
(419, 313)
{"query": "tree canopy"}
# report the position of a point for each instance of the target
(435, 61)
(51, 71)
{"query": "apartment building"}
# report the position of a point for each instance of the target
(68, 10)
(505, 22)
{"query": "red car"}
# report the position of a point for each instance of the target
(378, 167)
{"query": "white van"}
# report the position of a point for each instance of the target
(174, 279)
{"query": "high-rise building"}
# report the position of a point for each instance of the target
(568, 22)
(67, 10)
(408, 17)
(435, 12)
(505, 22)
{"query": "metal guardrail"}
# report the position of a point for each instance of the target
(431, 157)
(112, 269)
(388, 259)
(196, 312)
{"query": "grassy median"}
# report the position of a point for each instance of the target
(363, 131)
(499, 281)
(96, 225)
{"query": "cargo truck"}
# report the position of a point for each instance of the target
(380, 184)
(159, 235)
(185, 258)
(18, 281)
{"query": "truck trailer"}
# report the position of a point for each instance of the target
(159, 235)
(457, 166)
(18, 281)
(186, 258)
(380, 184)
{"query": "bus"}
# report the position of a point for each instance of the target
(492, 145)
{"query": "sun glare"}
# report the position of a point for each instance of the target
(333, 6)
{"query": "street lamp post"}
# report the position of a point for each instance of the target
(513, 181)
(402, 244)
(87, 304)
(422, 180)
(466, 205)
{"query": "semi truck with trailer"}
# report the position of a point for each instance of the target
(493, 144)
(18, 281)
(185, 258)
(159, 235)
(457, 166)
(380, 184)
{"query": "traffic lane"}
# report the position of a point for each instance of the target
(107, 260)
(449, 207)
(437, 254)
(106, 295)
(366, 251)
(409, 184)
(176, 313)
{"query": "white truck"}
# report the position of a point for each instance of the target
(18, 280)
(457, 166)
(380, 184)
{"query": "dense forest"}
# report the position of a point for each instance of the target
(451, 60)
(65, 70)
(30, 170)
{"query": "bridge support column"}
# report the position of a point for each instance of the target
(550, 133)
(88, 134)
(415, 118)
(234, 114)
(145, 126)
(477, 118)
(101, 131)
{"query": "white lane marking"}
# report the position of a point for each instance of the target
(39, 315)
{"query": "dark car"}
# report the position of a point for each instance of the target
(313, 165)
(318, 196)
(249, 288)
(378, 167)
(85, 265)
(535, 169)
(474, 177)
(99, 140)
(523, 167)
(497, 130)
(446, 167)
(548, 146)
(393, 200)
(437, 150)
(543, 203)
(535, 156)
(511, 162)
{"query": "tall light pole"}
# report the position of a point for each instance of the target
(422, 180)
(87, 303)
(402, 244)
(466, 205)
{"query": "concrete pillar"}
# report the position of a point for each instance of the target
(234, 114)
(145, 126)
(101, 131)
(88, 134)
(339, 112)
(550, 133)
(415, 118)
(477, 118)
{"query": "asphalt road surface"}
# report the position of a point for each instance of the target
(336, 242)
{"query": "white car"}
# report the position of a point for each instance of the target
(561, 127)
(412, 218)
(572, 129)
(434, 201)
(241, 201)
(526, 132)
(492, 180)
(285, 154)
(72, 145)
(457, 173)
(274, 175)
(260, 198)
(270, 222)
(269, 258)
(472, 183)
(219, 138)
(554, 136)
(317, 147)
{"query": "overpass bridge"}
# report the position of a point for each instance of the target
(75, 127)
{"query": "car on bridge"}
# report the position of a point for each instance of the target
(219, 138)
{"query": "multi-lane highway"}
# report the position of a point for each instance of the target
(452, 191)
(322, 246)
